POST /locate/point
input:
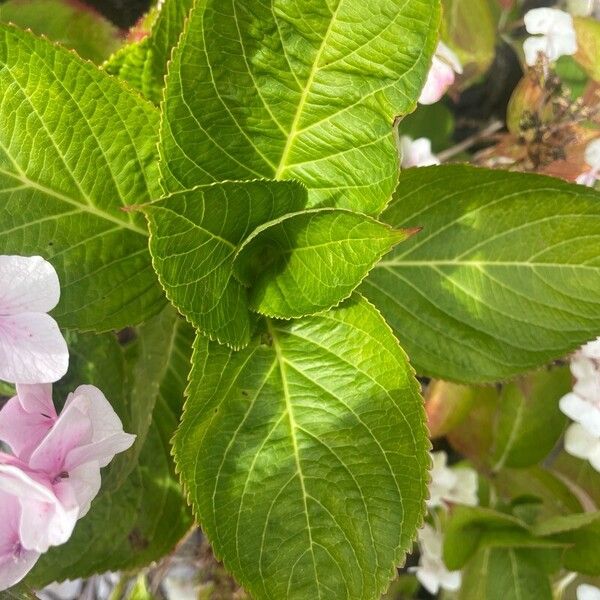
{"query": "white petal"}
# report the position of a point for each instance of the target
(587, 592)
(85, 482)
(417, 153)
(439, 79)
(465, 489)
(592, 158)
(430, 542)
(561, 45)
(581, 411)
(428, 580)
(547, 20)
(32, 349)
(27, 284)
(451, 580)
(449, 57)
(532, 46)
(580, 442)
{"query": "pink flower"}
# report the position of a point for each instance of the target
(441, 74)
(32, 349)
(55, 473)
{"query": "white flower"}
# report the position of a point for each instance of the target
(456, 485)
(441, 74)
(592, 158)
(557, 34)
(431, 572)
(32, 349)
(587, 592)
(417, 153)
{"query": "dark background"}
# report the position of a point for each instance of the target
(123, 13)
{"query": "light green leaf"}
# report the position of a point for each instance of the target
(306, 90)
(307, 262)
(143, 64)
(193, 241)
(504, 574)
(566, 523)
(76, 147)
(139, 519)
(529, 420)
(72, 24)
(503, 278)
(305, 455)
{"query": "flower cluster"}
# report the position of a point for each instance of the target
(449, 485)
(582, 405)
(52, 473)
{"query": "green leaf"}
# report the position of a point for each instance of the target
(503, 278)
(76, 147)
(307, 262)
(306, 90)
(466, 527)
(565, 523)
(530, 422)
(143, 64)
(140, 518)
(504, 574)
(556, 496)
(584, 554)
(72, 24)
(305, 455)
(194, 236)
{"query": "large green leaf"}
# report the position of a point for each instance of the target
(305, 455)
(76, 147)
(140, 518)
(306, 90)
(143, 64)
(307, 262)
(503, 278)
(529, 420)
(73, 24)
(194, 238)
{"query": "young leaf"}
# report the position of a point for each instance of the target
(529, 420)
(307, 262)
(143, 64)
(305, 455)
(75, 148)
(73, 24)
(140, 518)
(505, 574)
(194, 236)
(503, 278)
(306, 90)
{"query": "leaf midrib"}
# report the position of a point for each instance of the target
(293, 427)
(304, 96)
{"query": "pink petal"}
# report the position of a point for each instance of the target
(21, 430)
(108, 437)
(72, 429)
(37, 398)
(440, 78)
(46, 519)
(85, 482)
(27, 284)
(32, 349)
